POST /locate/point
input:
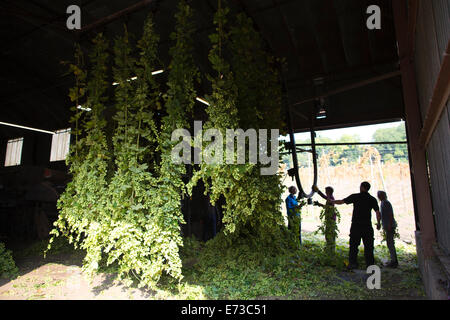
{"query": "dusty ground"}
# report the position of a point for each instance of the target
(59, 277)
(62, 278)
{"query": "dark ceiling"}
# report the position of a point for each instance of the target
(325, 42)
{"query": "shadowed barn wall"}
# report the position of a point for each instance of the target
(431, 44)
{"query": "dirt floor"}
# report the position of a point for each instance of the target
(64, 280)
(60, 277)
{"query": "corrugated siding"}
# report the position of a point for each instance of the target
(432, 35)
(439, 157)
(427, 58)
(441, 9)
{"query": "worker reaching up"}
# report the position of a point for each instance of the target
(328, 216)
(327, 196)
(361, 227)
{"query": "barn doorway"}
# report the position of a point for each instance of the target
(346, 157)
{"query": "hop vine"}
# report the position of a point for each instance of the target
(252, 201)
(330, 218)
(83, 202)
(123, 205)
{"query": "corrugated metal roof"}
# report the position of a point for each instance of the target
(318, 38)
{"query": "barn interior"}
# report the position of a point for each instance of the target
(333, 65)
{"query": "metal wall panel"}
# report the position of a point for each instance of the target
(441, 9)
(432, 36)
(427, 57)
(439, 157)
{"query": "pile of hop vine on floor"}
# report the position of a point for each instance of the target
(8, 267)
(249, 269)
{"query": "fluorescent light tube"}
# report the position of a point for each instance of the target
(27, 128)
(202, 101)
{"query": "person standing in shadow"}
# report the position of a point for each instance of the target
(210, 229)
(361, 227)
(389, 226)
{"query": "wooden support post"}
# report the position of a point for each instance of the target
(419, 172)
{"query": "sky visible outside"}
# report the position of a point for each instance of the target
(365, 132)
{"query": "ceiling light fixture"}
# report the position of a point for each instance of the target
(134, 78)
(322, 112)
(157, 72)
(83, 108)
(202, 101)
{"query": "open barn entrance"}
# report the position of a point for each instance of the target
(345, 158)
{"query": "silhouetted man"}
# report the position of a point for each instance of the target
(389, 225)
(361, 227)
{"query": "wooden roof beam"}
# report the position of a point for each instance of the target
(413, 8)
(288, 32)
(111, 18)
(351, 86)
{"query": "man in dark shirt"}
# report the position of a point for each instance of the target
(361, 227)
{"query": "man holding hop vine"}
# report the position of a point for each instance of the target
(293, 212)
(328, 216)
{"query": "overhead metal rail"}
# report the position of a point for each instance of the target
(350, 143)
